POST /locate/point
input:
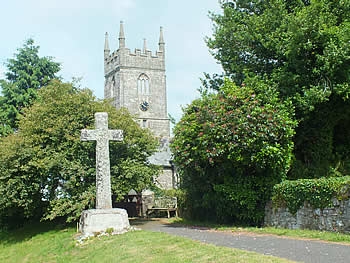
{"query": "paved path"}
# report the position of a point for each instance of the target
(292, 249)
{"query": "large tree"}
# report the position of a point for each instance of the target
(46, 171)
(302, 46)
(26, 73)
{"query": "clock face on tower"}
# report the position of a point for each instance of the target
(144, 106)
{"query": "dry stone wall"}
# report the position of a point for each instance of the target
(335, 218)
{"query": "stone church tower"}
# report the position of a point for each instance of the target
(136, 80)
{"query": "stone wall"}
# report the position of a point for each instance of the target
(335, 218)
(166, 180)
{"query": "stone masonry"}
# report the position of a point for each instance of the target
(134, 78)
(334, 218)
(102, 136)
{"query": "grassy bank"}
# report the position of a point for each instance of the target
(44, 243)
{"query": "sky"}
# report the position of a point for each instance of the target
(72, 32)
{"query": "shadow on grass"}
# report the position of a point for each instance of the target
(30, 230)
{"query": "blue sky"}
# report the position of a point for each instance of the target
(72, 31)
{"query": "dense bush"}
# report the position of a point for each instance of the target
(317, 192)
(231, 148)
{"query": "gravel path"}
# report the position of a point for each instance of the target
(292, 249)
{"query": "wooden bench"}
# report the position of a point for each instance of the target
(164, 203)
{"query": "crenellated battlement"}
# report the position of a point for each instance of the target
(124, 57)
(137, 52)
(137, 59)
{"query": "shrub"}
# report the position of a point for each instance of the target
(317, 192)
(231, 148)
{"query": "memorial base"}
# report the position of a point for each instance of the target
(95, 221)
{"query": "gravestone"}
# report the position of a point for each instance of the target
(104, 216)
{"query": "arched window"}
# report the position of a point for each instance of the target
(112, 88)
(143, 84)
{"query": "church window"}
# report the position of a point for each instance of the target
(144, 123)
(112, 88)
(143, 85)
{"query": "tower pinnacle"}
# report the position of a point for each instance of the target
(121, 35)
(106, 43)
(144, 45)
(161, 40)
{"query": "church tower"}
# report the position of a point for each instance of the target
(136, 81)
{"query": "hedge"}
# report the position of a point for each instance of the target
(317, 192)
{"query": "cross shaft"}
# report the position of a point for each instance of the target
(102, 136)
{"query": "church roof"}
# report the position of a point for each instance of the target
(163, 156)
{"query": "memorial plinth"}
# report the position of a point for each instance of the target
(99, 220)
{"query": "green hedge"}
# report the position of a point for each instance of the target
(317, 192)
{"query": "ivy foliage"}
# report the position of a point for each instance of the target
(47, 172)
(303, 47)
(230, 148)
(319, 193)
(26, 73)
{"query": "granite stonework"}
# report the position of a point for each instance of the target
(147, 201)
(102, 136)
(335, 218)
(168, 179)
(95, 221)
(132, 78)
(104, 216)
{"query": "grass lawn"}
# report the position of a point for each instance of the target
(45, 243)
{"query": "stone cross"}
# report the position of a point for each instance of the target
(102, 136)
